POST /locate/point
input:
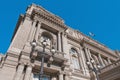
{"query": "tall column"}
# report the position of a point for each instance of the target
(67, 77)
(65, 48)
(59, 41)
(19, 72)
(84, 62)
(54, 78)
(109, 61)
(32, 76)
(64, 42)
(100, 59)
(87, 54)
(32, 31)
(37, 30)
(28, 72)
(81, 62)
(61, 76)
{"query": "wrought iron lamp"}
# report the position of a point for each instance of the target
(95, 69)
(45, 43)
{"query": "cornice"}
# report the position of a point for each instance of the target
(80, 37)
(98, 46)
(38, 7)
(48, 17)
(74, 35)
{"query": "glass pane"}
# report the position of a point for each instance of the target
(75, 63)
(45, 77)
(73, 51)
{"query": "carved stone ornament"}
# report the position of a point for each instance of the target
(74, 34)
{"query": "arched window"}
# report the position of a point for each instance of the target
(74, 58)
(46, 36)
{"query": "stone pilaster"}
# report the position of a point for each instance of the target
(100, 59)
(59, 42)
(67, 76)
(28, 72)
(32, 76)
(19, 72)
(85, 68)
(37, 30)
(32, 31)
(61, 76)
(109, 61)
(54, 78)
(65, 48)
(81, 61)
(87, 54)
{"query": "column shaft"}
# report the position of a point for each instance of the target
(54, 78)
(37, 31)
(65, 48)
(60, 76)
(59, 41)
(87, 54)
(109, 61)
(81, 62)
(84, 63)
(32, 31)
(67, 77)
(19, 72)
(100, 59)
(28, 73)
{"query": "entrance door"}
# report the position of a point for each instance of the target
(45, 77)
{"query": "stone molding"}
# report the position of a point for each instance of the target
(80, 37)
(40, 8)
(40, 14)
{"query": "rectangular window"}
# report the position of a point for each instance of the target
(76, 63)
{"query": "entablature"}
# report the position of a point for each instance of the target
(96, 44)
(81, 38)
(100, 51)
(47, 17)
(40, 8)
(73, 34)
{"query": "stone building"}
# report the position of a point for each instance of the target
(76, 56)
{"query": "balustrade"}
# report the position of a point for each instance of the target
(110, 66)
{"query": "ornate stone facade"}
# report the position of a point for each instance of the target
(73, 50)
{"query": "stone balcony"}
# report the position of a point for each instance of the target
(111, 71)
(58, 57)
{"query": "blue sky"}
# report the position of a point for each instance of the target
(101, 17)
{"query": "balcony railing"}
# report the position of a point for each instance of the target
(110, 66)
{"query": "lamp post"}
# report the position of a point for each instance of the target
(53, 51)
(92, 67)
(45, 43)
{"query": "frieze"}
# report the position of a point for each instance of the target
(47, 17)
(97, 44)
(75, 34)
(40, 8)
(79, 36)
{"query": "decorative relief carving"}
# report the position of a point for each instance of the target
(103, 47)
(79, 36)
(75, 34)
(48, 17)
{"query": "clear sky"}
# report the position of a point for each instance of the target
(101, 17)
